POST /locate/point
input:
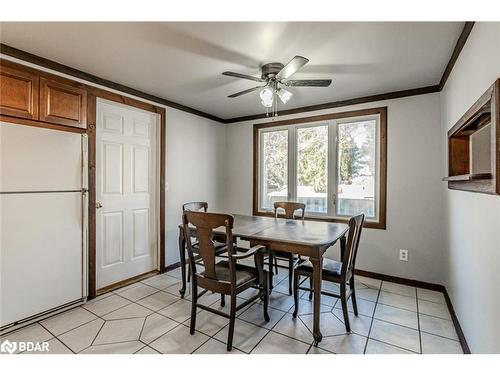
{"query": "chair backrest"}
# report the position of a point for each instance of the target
(351, 251)
(195, 206)
(290, 208)
(205, 223)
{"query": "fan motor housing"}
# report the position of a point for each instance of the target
(270, 70)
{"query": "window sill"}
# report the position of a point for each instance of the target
(469, 177)
(367, 224)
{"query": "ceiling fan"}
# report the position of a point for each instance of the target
(275, 78)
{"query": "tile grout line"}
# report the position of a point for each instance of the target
(55, 337)
(271, 329)
(371, 322)
(418, 323)
(71, 350)
(394, 345)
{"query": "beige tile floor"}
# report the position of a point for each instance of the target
(149, 317)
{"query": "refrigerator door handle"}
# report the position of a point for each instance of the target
(85, 165)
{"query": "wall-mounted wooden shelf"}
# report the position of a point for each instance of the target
(469, 177)
(474, 146)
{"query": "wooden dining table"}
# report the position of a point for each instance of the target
(307, 238)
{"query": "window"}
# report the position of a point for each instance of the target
(335, 164)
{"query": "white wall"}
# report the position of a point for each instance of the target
(414, 211)
(195, 160)
(472, 231)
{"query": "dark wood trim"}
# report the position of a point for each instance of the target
(383, 171)
(124, 283)
(343, 103)
(469, 177)
(495, 119)
(326, 117)
(462, 39)
(91, 138)
(423, 285)
(472, 112)
(40, 124)
(61, 68)
(400, 280)
(484, 112)
(163, 179)
(456, 323)
(405, 281)
(382, 111)
(53, 65)
(93, 94)
(172, 266)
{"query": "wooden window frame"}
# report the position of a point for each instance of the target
(382, 193)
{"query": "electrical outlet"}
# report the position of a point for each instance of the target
(403, 255)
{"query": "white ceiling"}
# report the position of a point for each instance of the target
(183, 62)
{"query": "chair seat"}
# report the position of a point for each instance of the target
(219, 247)
(331, 268)
(243, 273)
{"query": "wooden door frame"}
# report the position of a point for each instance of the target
(93, 94)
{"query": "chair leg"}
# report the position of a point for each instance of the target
(276, 265)
(232, 319)
(343, 300)
(353, 297)
(194, 299)
(290, 273)
(222, 300)
(189, 273)
(311, 287)
(296, 294)
(266, 301)
(271, 257)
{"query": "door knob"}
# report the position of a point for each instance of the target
(98, 204)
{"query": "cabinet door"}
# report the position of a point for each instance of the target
(18, 93)
(62, 104)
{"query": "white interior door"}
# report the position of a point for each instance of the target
(126, 180)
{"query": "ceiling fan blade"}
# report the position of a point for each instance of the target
(295, 64)
(309, 82)
(244, 92)
(244, 76)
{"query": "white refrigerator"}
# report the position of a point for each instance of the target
(43, 229)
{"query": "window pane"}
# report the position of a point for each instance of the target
(312, 168)
(274, 174)
(356, 168)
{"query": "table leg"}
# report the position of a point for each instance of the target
(343, 240)
(182, 256)
(317, 264)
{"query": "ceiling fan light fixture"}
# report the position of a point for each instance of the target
(284, 95)
(267, 96)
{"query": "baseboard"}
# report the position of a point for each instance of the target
(172, 267)
(400, 280)
(423, 285)
(458, 328)
(127, 282)
(404, 281)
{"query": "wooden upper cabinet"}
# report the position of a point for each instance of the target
(62, 103)
(18, 93)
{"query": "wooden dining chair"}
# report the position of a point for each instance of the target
(337, 272)
(290, 209)
(220, 241)
(226, 277)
